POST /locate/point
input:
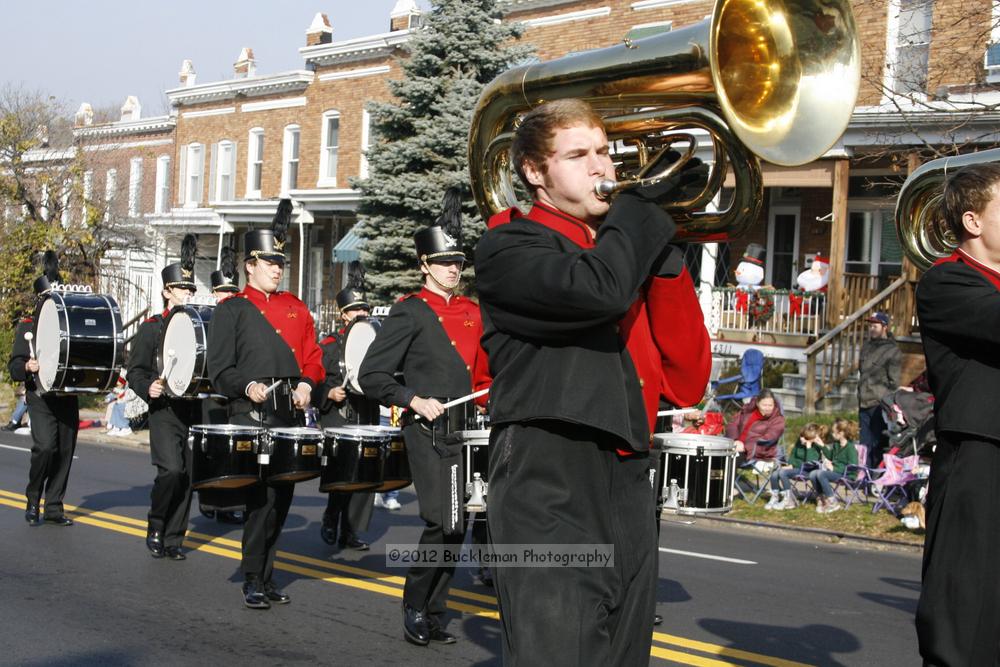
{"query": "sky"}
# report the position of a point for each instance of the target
(101, 51)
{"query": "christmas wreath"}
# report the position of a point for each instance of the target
(761, 307)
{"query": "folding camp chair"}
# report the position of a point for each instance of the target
(760, 472)
(888, 484)
(856, 479)
(747, 382)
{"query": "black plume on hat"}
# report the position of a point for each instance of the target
(451, 214)
(356, 275)
(189, 250)
(225, 279)
(279, 225)
(227, 263)
(50, 266)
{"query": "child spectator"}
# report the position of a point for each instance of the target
(806, 455)
(836, 457)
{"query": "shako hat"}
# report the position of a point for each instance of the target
(353, 296)
(270, 243)
(225, 279)
(442, 241)
(181, 274)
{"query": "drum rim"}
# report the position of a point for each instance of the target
(357, 433)
(690, 441)
(285, 431)
(227, 429)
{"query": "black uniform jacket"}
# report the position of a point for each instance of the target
(550, 315)
(19, 355)
(142, 367)
(959, 310)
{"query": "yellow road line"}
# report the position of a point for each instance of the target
(378, 582)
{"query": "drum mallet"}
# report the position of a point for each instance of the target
(28, 336)
(171, 360)
(459, 401)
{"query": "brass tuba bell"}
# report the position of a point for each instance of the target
(920, 225)
(774, 79)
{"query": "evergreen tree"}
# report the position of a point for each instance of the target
(420, 138)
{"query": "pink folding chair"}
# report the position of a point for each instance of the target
(888, 484)
(856, 479)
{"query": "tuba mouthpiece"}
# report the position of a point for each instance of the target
(604, 188)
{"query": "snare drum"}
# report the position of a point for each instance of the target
(293, 454)
(476, 463)
(698, 472)
(185, 333)
(79, 342)
(396, 470)
(224, 456)
(354, 459)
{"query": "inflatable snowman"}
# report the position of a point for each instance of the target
(749, 274)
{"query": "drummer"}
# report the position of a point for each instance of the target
(55, 419)
(263, 356)
(432, 337)
(169, 418)
(223, 505)
(346, 512)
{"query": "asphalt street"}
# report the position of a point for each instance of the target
(91, 595)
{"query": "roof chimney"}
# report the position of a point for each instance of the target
(131, 110)
(245, 66)
(84, 115)
(187, 74)
(319, 31)
(404, 15)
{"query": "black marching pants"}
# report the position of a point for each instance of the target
(170, 500)
(558, 483)
(958, 616)
(427, 587)
(349, 512)
(55, 422)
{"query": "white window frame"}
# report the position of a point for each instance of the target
(326, 180)
(64, 215)
(161, 199)
(255, 145)
(291, 143)
(43, 210)
(110, 188)
(223, 191)
(88, 192)
(892, 46)
(194, 188)
(366, 119)
(134, 186)
(794, 210)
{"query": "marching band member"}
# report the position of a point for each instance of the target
(346, 512)
(433, 338)
(169, 418)
(55, 420)
(590, 318)
(263, 356)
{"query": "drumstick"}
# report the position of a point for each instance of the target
(680, 411)
(28, 336)
(171, 360)
(459, 401)
(267, 392)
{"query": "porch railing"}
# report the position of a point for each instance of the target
(790, 313)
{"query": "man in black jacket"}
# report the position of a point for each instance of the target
(958, 302)
(169, 418)
(879, 369)
(55, 421)
(590, 319)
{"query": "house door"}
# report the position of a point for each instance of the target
(872, 245)
(782, 247)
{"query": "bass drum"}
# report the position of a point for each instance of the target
(182, 355)
(357, 338)
(79, 342)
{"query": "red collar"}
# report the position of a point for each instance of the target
(166, 311)
(259, 295)
(961, 256)
(574, 229)
(434, 298)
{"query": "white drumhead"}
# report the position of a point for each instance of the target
(179, 337)
(228, 429)
(689, 443)
(46, 342)
(391, 431)
(295, 433)
(356, 342)
(355, 433)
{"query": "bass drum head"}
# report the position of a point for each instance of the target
(47, 343)
(180, 337)
(359, 336)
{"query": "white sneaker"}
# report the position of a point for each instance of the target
(125, 431)
(113, 431)
(833, 505)
(392, 504)
(773, 503)
(378, 501)
(788, 503)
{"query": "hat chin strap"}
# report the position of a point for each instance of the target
(443, 287)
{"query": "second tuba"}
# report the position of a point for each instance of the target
(769, 79)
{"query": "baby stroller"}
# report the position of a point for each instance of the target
(910, 419)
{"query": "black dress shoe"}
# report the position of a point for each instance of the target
(205, 512)
(437, 633)
(274, 595)
(415, 628)
(328, 534)
(254, 596)
(154, 542)
(657, 619)
(229, 517)
(353, 542)
(10, 426)
(174, 553)
(61, 520)
(484, 577)
(31, 514)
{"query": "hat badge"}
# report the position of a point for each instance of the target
(279, 245)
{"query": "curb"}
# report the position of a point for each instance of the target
(831, 535)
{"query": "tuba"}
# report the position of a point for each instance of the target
(921, 228)
(762, 79)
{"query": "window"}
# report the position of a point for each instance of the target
(330, 145)
(224, 168)
(67, 189)
(162, 197)
(912, 29)
(110, 186)
(255, 163)
(366, 119)
(44, 201)
(290, 159)
(195, 166)
(134, 186)
(872, 245)
(88, 192)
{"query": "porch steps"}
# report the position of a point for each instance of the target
(791, 393)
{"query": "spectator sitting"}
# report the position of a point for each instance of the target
(19, 411)
(114, 416)
(836, 457)
(757, 429)
(808, 449)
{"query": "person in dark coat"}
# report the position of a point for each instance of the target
(55, 420)
(432, 337)
(346, 512)
(758, 428)
(958, 303)
(263, 356)
(879, 369)
(169, 417)
(590, 319)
